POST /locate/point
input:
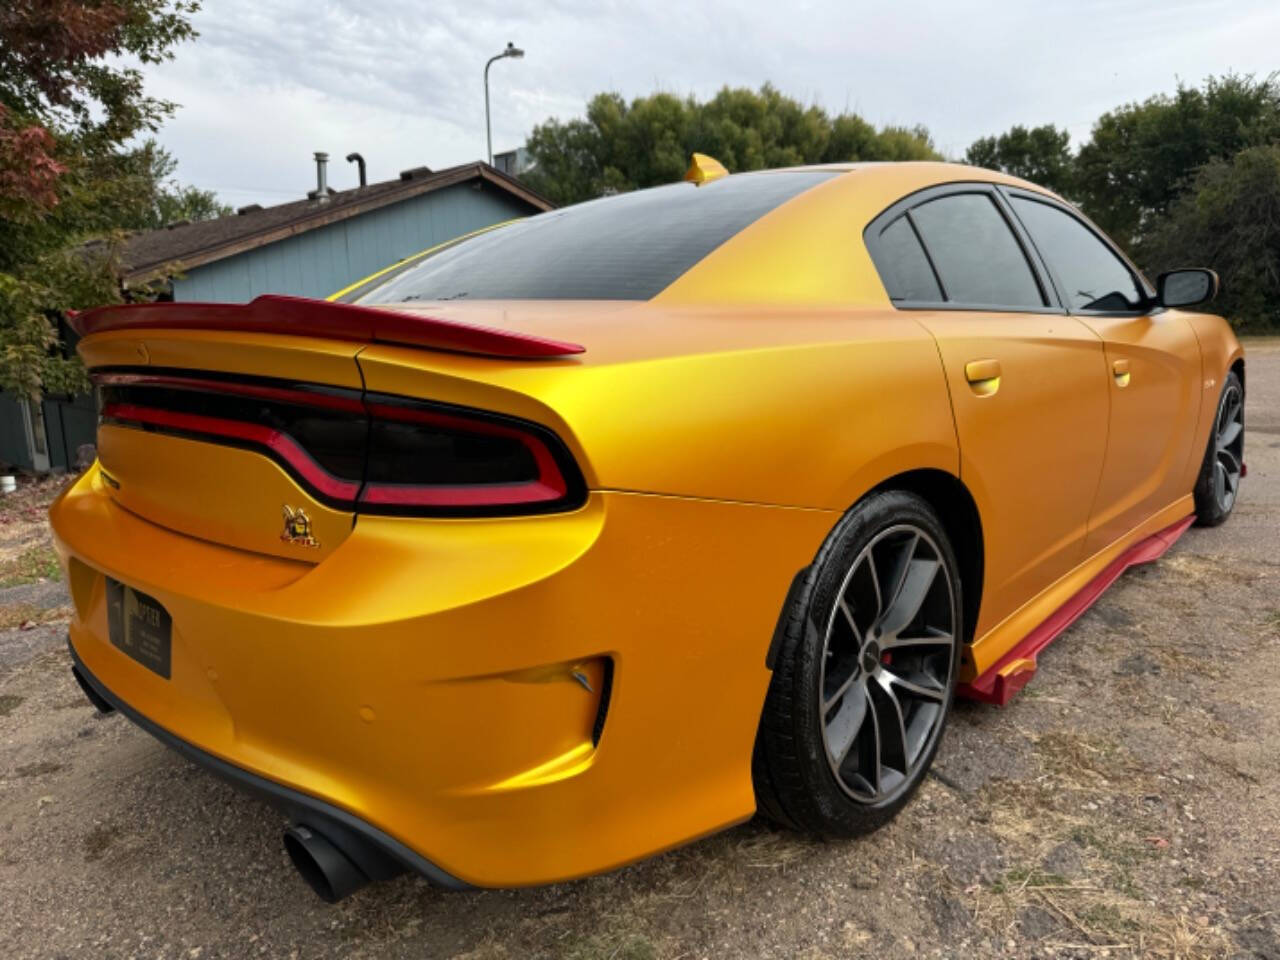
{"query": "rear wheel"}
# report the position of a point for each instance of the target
(1219, 480)
(864, 675)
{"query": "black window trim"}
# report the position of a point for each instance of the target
(924, 247)
(904, 206)
(1148, 307)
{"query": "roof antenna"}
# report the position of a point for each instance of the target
(354, 157)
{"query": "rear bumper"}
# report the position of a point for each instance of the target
(394, 857)
(420, 679)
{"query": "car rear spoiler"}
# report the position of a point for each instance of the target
(302, 317)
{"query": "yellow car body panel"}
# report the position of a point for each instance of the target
(1029, 441)
(408, 678)
(439, 678)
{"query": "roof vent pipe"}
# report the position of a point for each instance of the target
(321, 191)
(355, 158)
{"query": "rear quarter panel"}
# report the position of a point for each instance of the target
(807, 408)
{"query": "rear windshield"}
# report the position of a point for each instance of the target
(627, 247)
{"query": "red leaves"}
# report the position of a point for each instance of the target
(28, 171)
(47, 35)
(40, 41)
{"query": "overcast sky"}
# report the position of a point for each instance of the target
(270, 81)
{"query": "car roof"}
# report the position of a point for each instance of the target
(810, 249)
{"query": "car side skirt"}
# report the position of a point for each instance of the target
(1000, 682)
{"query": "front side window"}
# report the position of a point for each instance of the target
(1092, 276)
(978, 259)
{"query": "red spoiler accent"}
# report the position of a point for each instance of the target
(301, 317)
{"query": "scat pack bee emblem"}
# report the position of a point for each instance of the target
(297, 528)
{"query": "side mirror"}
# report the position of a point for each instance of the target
(1185, 288)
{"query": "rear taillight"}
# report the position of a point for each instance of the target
(368, 452)
(434, 459)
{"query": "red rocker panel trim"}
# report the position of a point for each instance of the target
(993, 687)
(302, 317)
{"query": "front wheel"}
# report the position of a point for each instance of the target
(865, 672)
(1223, 465)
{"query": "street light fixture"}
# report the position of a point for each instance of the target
(515, 53)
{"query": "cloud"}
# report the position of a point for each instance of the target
(266, 84)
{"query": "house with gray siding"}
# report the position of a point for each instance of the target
(311, 247)
(316, 246)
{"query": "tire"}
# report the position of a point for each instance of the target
(841, 668)
(1218, 484)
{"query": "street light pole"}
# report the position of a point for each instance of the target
(514, 52)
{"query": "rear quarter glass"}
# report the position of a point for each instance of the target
(628, 247)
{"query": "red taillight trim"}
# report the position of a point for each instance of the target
(299, 316)
(476, 495)
(551, 486)
(281, 444)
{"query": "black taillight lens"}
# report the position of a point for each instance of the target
(442, 460)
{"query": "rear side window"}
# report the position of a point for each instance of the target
(628, 247)
(903, 266)
(978, 259)
(1092, 276)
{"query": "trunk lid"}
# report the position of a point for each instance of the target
(248, 425)
(160, 391)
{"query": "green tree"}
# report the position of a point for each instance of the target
(68, 108)
(176, 203)
(619, 146)
(1229, 220)
(1141, 156)
(162, 199)
(1042, 155)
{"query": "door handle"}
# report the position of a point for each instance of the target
(983, 376)
(1120, 370)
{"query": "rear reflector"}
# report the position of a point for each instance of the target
(301, 317)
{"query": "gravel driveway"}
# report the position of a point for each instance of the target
(1126, 804)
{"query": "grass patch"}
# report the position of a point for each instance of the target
(33, 564)
(14, 615)
(1071, 755)
(1026, 878)
(630, 947)
(8, 703)
(1093, 918)
(1116, 849)
(1106, 918)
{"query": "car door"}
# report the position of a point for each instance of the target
(1153, 365)
(1027, 381)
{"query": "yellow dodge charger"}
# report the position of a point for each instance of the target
(602, 530)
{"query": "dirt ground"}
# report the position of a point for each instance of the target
(1126, 804)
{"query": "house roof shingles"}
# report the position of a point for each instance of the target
(149, 255)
